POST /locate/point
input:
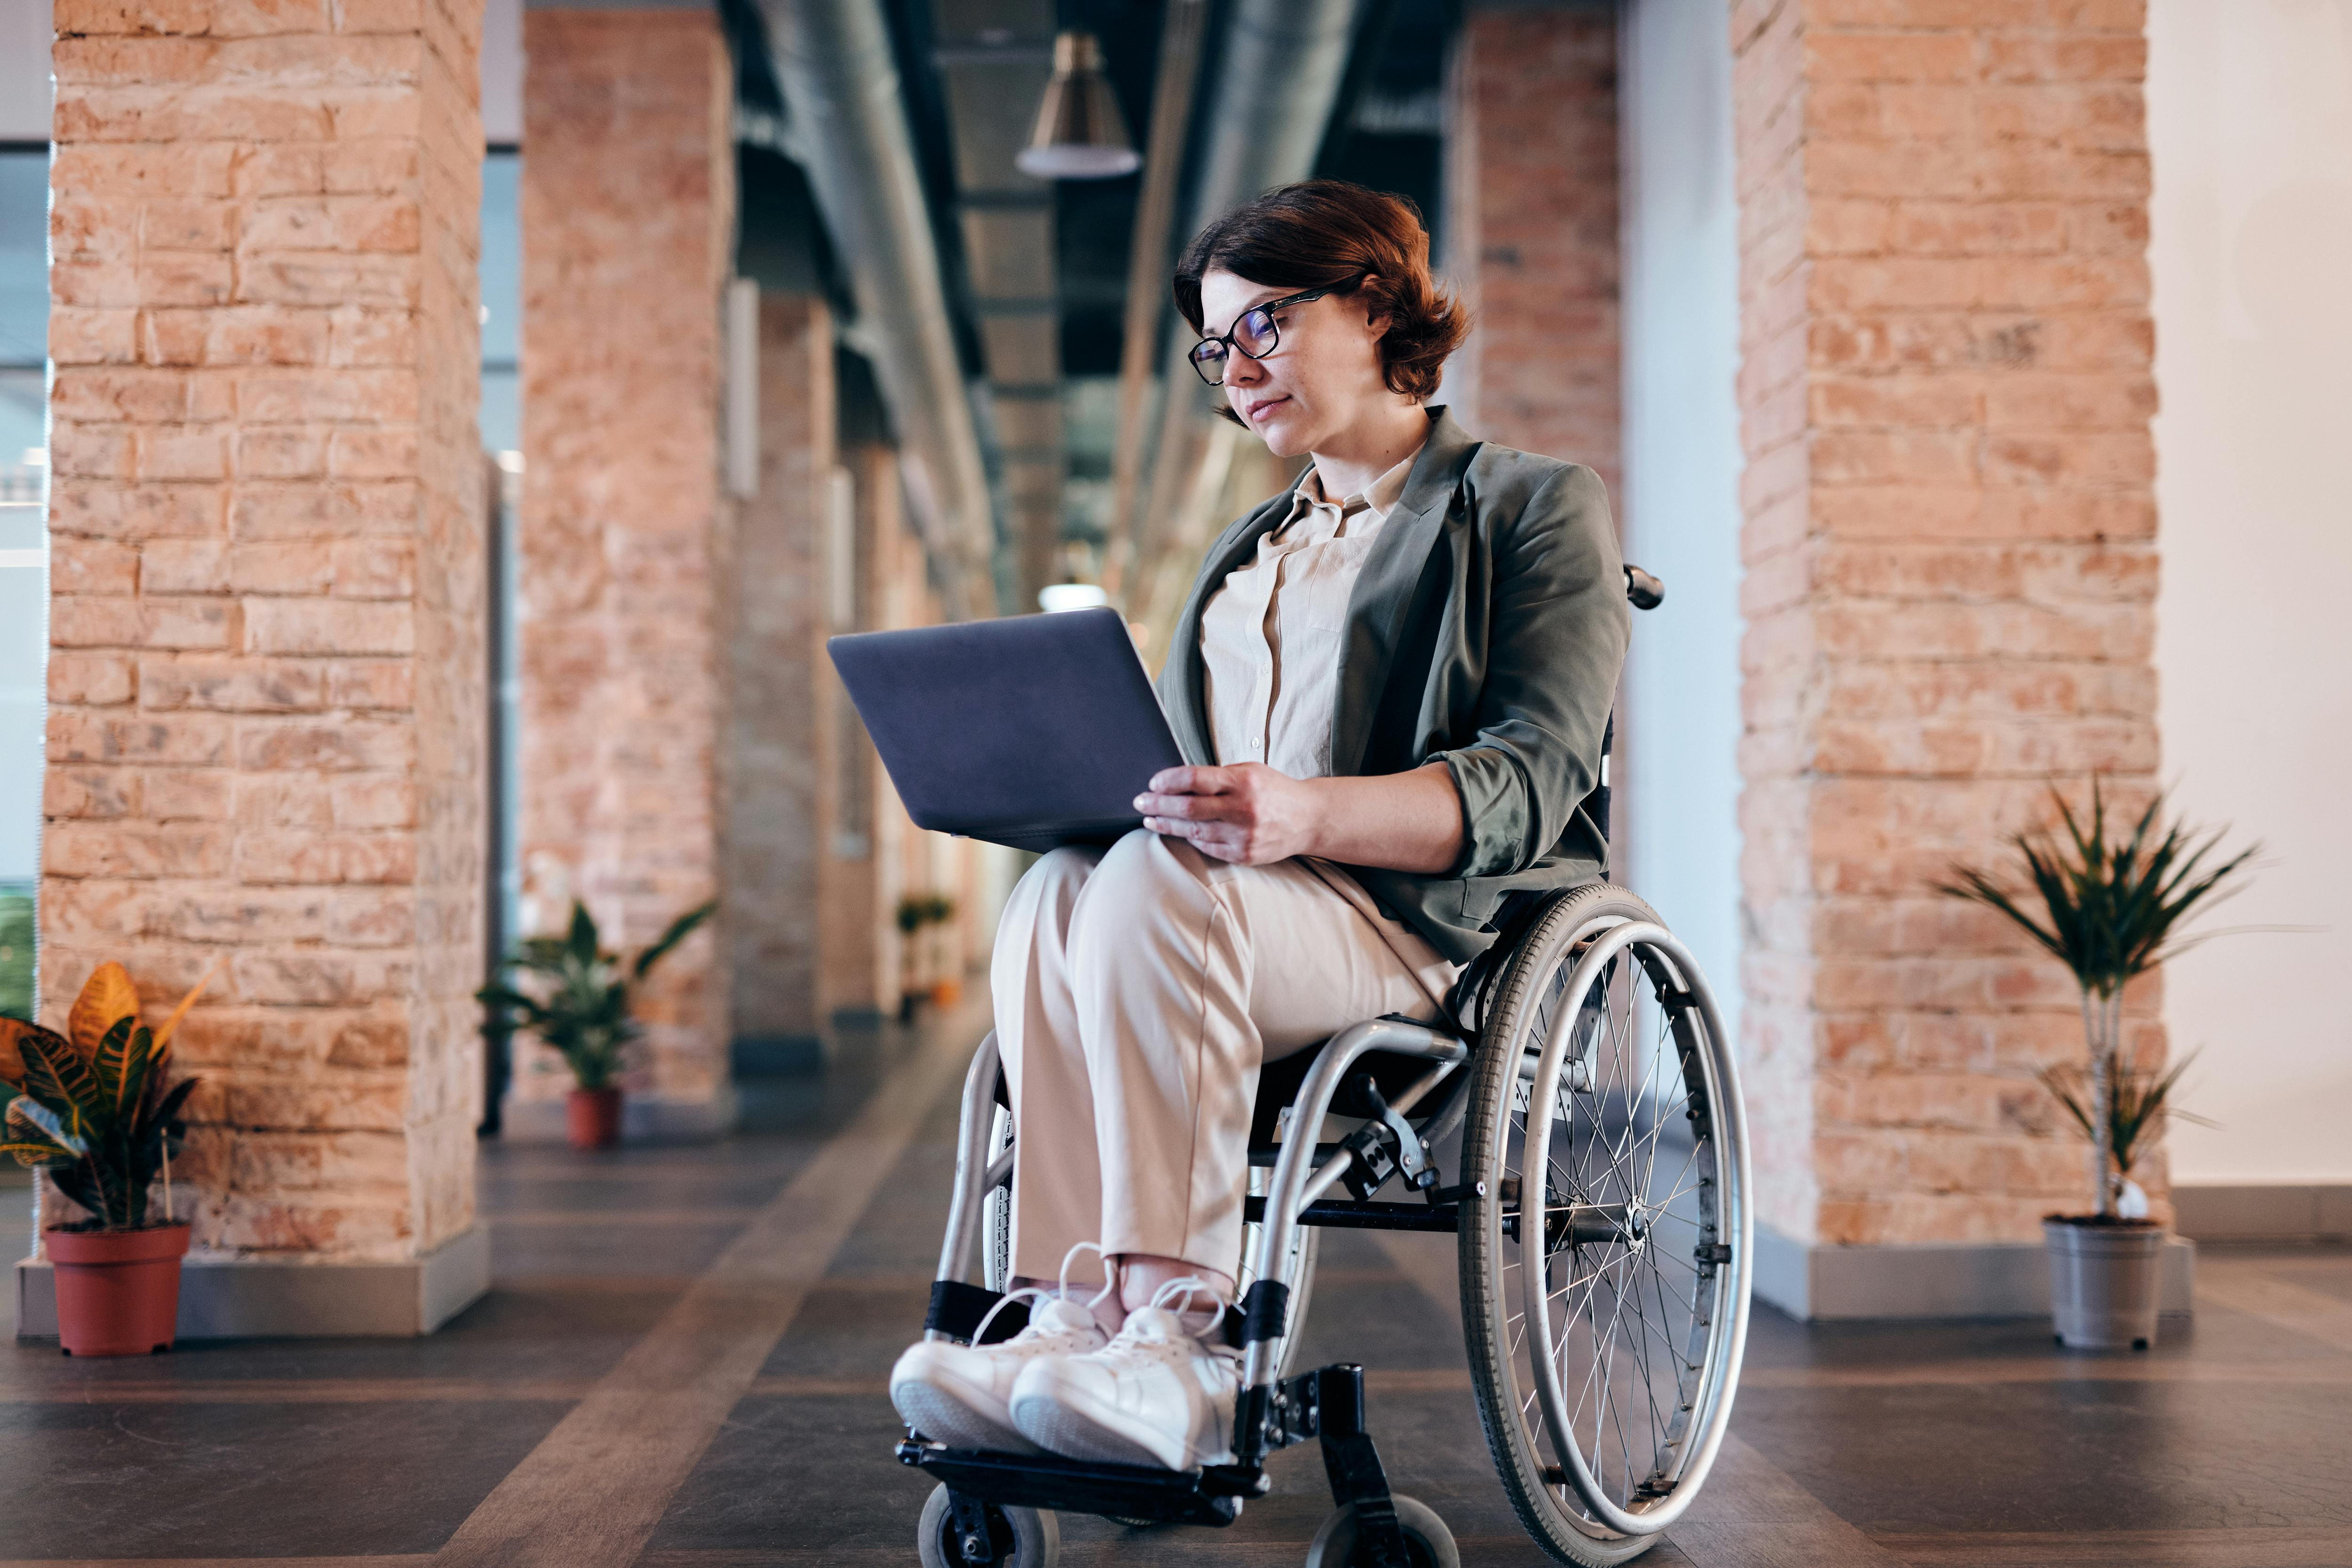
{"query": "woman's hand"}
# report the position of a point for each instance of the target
(1249, 814)
(1253, 814)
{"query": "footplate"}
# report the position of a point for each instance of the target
(1211, 1495)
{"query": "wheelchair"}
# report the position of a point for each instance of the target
(1580, 1093)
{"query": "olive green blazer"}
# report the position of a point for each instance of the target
(1487, 630)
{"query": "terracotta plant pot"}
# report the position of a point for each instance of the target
(118, 1290)
(2104, 1282)
(593, 1118)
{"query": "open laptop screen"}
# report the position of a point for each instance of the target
(1031, 731)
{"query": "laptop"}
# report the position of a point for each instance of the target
(1031, 731)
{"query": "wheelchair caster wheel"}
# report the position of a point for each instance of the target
(1016, 1537)
(1425, 1537)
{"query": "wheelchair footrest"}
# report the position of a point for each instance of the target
(1208, 1496)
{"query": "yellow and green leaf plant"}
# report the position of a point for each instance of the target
(93, 1105)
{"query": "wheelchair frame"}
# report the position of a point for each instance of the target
(1271, 1413)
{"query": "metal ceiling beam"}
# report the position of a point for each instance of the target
(995, 59)
(1180, 33)
(1277, 83)
(840, 81)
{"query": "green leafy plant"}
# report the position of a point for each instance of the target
(2140, 1098)
(16, 952)
(92, 1105)
(579, 1003)
(2110, 909)
(916, 910)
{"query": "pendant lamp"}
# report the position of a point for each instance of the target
(1080, 133)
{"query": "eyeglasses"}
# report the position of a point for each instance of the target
(1254, 333)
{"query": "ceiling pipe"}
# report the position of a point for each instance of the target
(1276, 84)
(840, 83)
(1147, 269)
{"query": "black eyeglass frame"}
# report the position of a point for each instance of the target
(1201, 366)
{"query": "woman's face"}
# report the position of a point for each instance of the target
(1323, 376)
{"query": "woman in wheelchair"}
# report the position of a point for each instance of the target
(1393, 685)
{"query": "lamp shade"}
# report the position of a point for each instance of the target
(1080, 133)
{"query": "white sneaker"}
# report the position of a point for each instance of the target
(957, 1395)
(1157, 1395)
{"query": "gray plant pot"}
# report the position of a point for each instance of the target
(2102, 1283)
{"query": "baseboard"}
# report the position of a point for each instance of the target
(236, 1299)
(1989, 1280)
(644, 1119)
(2286, 1211)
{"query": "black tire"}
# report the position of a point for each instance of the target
(996, 1213)
(1425, 1536)
(1653, 1395)
(1022, 1537)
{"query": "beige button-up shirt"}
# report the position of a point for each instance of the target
(1272, 635)
(1270, 643)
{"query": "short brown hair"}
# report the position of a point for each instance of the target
(1328, 233)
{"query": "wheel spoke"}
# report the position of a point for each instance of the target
(1612, 1379)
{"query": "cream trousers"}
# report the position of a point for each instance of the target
(1137, 991)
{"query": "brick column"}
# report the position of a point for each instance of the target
(267, 679)
(1951, 554)
(628, 216)
(1535, 122)
(889, 594)
(853, 977)
(777, 837)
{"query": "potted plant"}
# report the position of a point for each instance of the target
(581, 1007)
(2110, 912)
(94, 1107)
(947, 983)
(914, 913)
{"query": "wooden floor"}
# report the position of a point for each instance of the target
(681, 1362)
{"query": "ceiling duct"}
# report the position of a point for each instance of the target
(840, 82)
(1277, 83)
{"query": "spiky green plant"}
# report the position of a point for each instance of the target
(2110, 910)
(2139, 1099)
(581, 1005)
(93, 1104)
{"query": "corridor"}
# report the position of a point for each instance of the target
(681, 1365)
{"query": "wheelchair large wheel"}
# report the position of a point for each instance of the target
(996, 1212)
(1604, 1242)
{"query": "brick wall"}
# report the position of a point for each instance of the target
(776, 834)
(1535, 120)
(628, 216)
(1951, 554)
(265, 681)
(866, 967)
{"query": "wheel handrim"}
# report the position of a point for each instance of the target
(1634, 1322)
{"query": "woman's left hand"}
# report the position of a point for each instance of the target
(1249, 814)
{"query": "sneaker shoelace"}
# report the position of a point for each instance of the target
(1147, 1338)
(1059, 1292)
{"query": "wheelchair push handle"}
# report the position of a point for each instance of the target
(1643, 591)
